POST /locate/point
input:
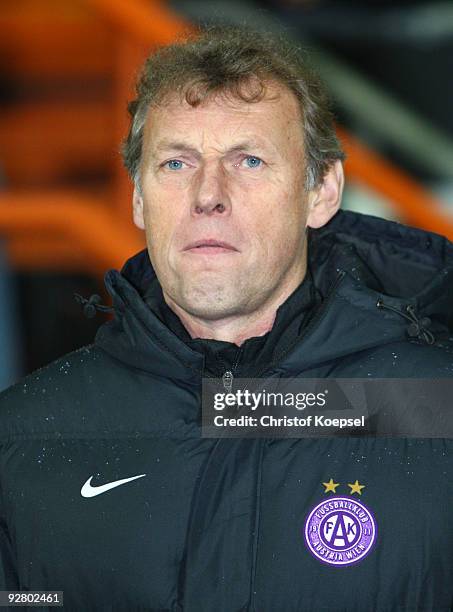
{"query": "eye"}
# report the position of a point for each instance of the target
(253, 162)
(174, 164)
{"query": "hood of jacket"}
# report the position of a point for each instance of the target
(381, 282)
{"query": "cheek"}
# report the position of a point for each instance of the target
(268, 238)
(281, 211)
(278, 225)
(162, 212)
(158, 237)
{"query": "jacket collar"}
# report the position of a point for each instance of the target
(356, 261)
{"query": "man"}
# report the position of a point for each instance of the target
(108, 491)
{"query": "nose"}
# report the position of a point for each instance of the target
(211, 193)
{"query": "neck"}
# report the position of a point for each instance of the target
(237, 328)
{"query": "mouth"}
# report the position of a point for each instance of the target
(210, 247)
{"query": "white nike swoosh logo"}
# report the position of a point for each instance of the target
(89, 491)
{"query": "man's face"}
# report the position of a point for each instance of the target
(223, 202)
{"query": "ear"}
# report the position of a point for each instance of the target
(325, 200)
(137, 206)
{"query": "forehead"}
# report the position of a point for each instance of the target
(274, 120)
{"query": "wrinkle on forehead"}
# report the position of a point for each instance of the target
(222, 115)
(269, 91)
(250, 90)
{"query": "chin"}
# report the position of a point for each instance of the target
(211, 309)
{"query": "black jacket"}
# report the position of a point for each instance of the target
(221, 524)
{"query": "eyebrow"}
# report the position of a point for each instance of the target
(174, 145)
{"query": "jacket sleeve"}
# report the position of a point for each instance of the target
(8, 566)
(8, 572)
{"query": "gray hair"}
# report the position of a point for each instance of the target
(235, 61)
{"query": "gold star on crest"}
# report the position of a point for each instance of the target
(356, 487)
(330, 486)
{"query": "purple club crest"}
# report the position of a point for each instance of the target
(340, 531)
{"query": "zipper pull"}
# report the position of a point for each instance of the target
(227, 380)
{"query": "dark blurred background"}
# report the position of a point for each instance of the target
(67, 69)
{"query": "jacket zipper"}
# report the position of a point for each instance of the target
(227, 380)
(228, 375)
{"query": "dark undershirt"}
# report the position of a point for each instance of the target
(256, 353)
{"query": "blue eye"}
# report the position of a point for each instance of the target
(174, 164)
(253, 162)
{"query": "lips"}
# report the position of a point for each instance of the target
(209, 243)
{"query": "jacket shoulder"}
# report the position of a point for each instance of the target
(46, 394)
(405, 359)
